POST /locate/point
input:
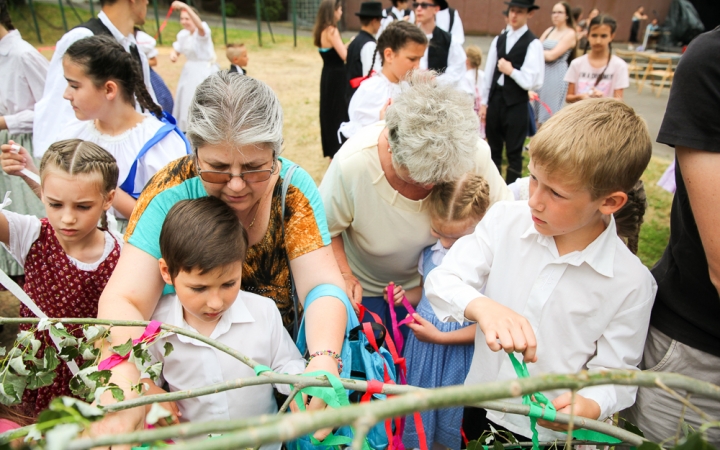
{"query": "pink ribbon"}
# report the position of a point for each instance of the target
(149, 335)
(397, 335)
(536, 98)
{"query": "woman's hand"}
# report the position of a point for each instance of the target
(14, 161)
(353, 289)
(178, 6)
(398, 294)
(383, 110)
(173, 55)
(319, 363)
(175, 413)
(425, 331)
(584, 407)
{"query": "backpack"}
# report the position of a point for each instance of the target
(364, 358)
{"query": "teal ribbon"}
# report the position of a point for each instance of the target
(542, 408)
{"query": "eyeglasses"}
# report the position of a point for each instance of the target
(422, 5)
(249, 176)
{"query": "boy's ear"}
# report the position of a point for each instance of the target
(165, 271)
(613, 202)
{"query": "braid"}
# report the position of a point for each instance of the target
(629, 218)
(145, 99)
(464, 199)
(372, 63)
(75, 156)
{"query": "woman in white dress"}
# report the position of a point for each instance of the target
(195, 43)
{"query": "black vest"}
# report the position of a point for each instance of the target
(389, 13)
(439, 50)
(512, 93)
(353, 64)
(98, 28)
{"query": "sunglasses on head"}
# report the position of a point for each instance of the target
(422, 5)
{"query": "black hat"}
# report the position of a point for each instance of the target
(370, 9)
(529, 4)
(443, 4)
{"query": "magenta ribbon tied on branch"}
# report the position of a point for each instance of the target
(151, 332)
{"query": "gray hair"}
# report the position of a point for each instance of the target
(433, 130)
(237, 110)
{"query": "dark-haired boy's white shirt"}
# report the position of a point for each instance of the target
(252, 325)
(531, 74)
(52, 112)
(388, 19)
(589, 309)
(442, 21)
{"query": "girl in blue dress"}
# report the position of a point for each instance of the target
(439, 354)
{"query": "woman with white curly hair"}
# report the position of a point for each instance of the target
(374, 189)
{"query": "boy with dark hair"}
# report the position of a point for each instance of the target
(203, 247)
(361, 59)
(587, 299)
(515, 65)
(444, 55)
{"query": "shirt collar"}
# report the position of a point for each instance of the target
(519, 32)
(130, 38)
(438, 253)
(599, 255)
(9, 41)
(238, 313)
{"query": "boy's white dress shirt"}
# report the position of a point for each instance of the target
(252, 326)
(532, 73)
(53, 112)
(442, 20)
(589, 309)
(455, 70)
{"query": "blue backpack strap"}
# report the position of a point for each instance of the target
(169, 126)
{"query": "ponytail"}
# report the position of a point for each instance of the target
(104, 59)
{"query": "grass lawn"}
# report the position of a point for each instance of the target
(294, 74)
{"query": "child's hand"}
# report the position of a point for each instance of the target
(584, 407)
(174, 418)
(15, 160)
(500, 323)
(173, 53)
(398, 294)
(425, 331)
(178, 6)
(596, 93)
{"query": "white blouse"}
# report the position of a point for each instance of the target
(126, 146)
(194, 46)
(367, 102)
(22, 80)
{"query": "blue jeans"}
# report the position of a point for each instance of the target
(379, 306)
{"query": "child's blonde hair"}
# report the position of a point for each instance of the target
(474, 55)
(464, 199)
(601, 145)
(75, 156)
(233, 50)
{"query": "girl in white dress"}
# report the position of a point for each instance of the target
(400, 48)
(195, 43)
(103, 83)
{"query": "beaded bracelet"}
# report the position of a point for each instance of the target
(328, 353)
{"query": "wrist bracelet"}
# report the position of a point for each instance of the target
(328, 353)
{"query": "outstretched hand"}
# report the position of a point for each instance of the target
(584, 407)
(504, 329)
(15, 159)
(325, 363)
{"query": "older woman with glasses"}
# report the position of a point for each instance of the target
(374, 189)
(235, 127)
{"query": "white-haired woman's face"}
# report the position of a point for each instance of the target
(239, 193)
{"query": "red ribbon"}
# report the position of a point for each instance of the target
(357, 81)
(536, 98)
(164, 24)
(149, 335)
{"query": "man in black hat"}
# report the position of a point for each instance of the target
(515, 65)
(361, 58)
(444, 54)
(448, 19)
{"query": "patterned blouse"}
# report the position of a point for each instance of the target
(265, 271)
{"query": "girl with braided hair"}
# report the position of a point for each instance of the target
(399, 48)
(103, 83)
(66, 257)
(439, 353)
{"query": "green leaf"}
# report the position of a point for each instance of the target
(124, 349)
(50, 360)
(14, 385)
(33, 434)
(60, 332)
(50, 415)
(474, 445)
(88, 352)
(497, 445)
(154, 371)
(41, 379)
(18, 365)
(168, 348)
(694, 441)
(633, 429)
(24, 338)
(93, 333)
(2, 351)
(61, 435)
(649, 446)
(88, 411)
(68, 353)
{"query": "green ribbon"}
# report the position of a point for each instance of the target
(542, 408)
(260, 369)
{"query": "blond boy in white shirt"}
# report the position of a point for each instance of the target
(550, 278)
(203, 248)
